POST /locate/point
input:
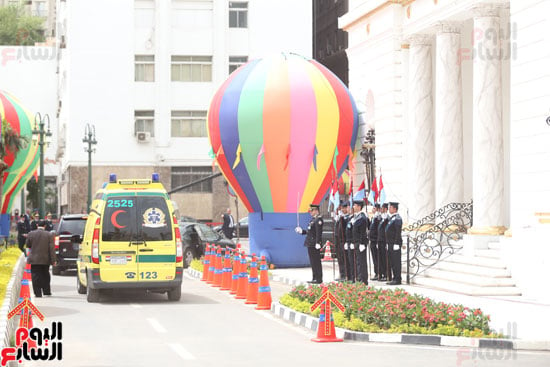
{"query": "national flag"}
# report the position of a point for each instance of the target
(334, 195)
(35, 175)
(381, 192)
(360, 194)
(373, 193)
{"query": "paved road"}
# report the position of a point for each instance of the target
(210, 328)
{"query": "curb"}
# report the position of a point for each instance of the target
(7, 327)
(310, 322)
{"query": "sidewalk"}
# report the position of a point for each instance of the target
(516, 317)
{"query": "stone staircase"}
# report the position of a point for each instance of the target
(483, 274)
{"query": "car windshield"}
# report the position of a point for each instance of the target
(206, 232)
(128, 218)
(244, 221)
(72, 226)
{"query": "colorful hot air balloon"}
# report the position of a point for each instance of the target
(282, 129)
(14, 178)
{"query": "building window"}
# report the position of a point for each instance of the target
(238, 14)
(144, 122)
(145, 68)
(236, 61)
(191, 68)
(185, 175)
(188, 124)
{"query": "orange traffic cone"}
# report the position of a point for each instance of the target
(236, 272)
(328, 254)
(252, 292)
(205, 263)
(25, 291)
(226, 275)
(243, 279)
(27, 272)
(218, 270)
(211, 265)
(264, 290)
(325, 330)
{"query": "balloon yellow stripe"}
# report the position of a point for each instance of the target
(328, 118)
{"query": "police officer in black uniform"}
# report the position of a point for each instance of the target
(22, 232)
(351, 269)
(313, 243)
(341, 223)
(360, 223)
(373, 238)
(394, 241)
(381, 239)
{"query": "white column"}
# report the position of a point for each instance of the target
(449, 161)
(421, 128)
(487, 129)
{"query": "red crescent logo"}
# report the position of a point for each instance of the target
(113, 218)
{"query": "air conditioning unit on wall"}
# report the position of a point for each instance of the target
(143, 136)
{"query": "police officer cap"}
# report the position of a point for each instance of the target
(358, 202)
(377, 206)
(344, 203)
(385, 205)
(394, 204)
(314, 206)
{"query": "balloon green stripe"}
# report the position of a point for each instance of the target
(250, 128)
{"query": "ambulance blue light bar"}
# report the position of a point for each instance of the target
(155, 177)
(112, 178)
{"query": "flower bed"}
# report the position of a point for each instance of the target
(8, 258)
(371, 309)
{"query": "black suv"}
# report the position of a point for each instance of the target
(195, 236)
(67, 241)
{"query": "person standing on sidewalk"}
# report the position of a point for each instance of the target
(314, 234)
(382, 252)
(394, 240)
(22, 231)
(41, 256)
(373, 238)
(359, 240)
(228, 224)
(341, 223)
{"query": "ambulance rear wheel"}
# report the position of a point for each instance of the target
(79, 287)
(92, 295)
(174, 294)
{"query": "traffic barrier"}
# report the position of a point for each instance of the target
(218, 270)
(211, 267)
(236, 272)
(264, 290)
(252, 292)
(328, 254)
(226, 275)
(205, 263)
(243, 279)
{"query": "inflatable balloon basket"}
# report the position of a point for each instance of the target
(273, 235)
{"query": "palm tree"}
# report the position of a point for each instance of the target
(12, 142)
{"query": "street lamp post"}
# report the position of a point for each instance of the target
(89, 138)
(368, 153)
(39, 124)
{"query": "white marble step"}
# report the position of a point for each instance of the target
(477, 261)
(472, 269)
(471, 279)
(468, 289)
(491, 254)
(494, 246)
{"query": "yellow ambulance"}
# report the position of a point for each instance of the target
(131, 240)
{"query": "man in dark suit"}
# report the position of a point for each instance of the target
(373, 238)
(313, 234)
(382, 253)
(41, 256)
(341, 222)
(228, 224)
(360, 223)
(394, 241)
(22, 231)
